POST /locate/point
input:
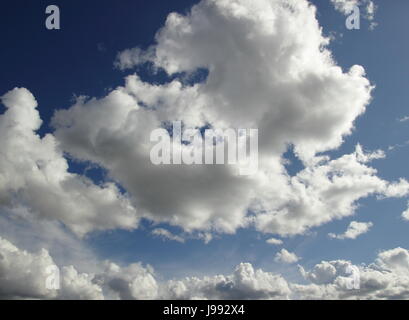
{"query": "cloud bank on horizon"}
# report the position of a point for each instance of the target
(269, 67)
(24, 276)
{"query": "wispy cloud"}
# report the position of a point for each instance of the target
(167, 235)
(403, 119)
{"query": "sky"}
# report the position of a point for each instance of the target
(77, 189)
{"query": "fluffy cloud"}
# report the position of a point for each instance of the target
(387, 278)
(405, 215)
(285, 256)
(354, 230)
(295, 86)
(297, 96)
(322, 192)
(188, 196)
(34, 172)
(133, 282)
(25, 275)
(396, 260)
(244, 283)
(22, 228)
(269, 68)
(29, 275)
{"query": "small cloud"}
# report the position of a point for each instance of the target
(405, 214)
(167, 235)
(404, 119)
(274, 241)
(354, 230)
(286, 257)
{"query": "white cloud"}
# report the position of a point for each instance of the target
(285, 256)
(354, 230)
(24, 275)
(34, 172)
(269, 68)
(396, 260)
(387, 278)
(26, 231)
(323, 192)
(403, 119)
(244, 283)
(165, 234)
(274, 241)
(279, 45)
(133, 282)
(405, 215)
(297, 95)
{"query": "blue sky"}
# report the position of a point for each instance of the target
(79, 60)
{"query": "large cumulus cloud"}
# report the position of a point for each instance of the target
(386, 278)
(24, 275)
(268, 68)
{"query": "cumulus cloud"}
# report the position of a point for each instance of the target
(25, 275)
(188, 196)
(244, 283)
(386, 278)
(33, 275)
(26, 231)
(395, 260)
(294, 85)
(133, 282)
(405, 215)
(286, 257)
(354, 230)
(269, 67)
(322, 192)
(34, 172)
(297, 96)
